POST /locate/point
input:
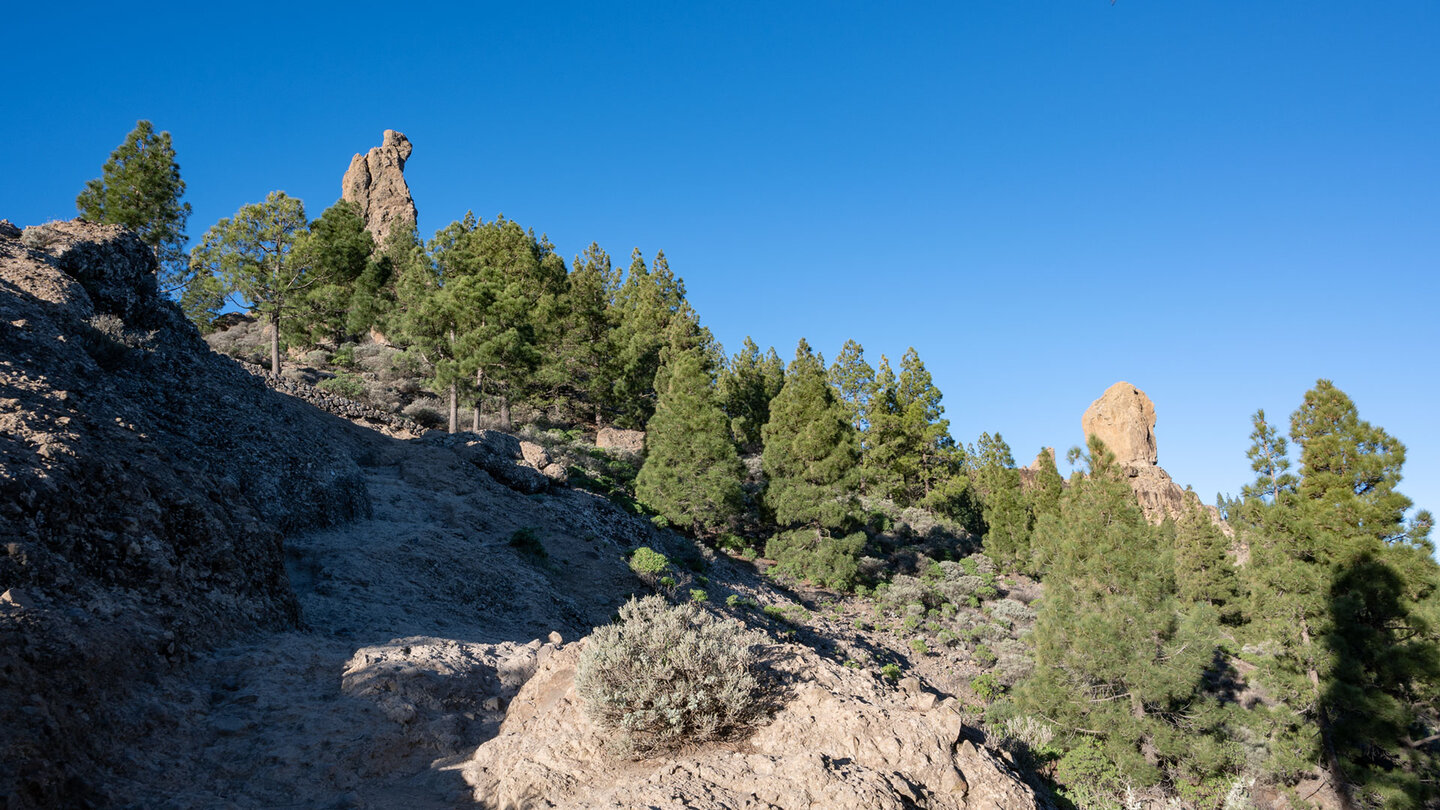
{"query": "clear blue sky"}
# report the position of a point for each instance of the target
(1217, 202)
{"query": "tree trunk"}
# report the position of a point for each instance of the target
(479, 375)
(454, 410)
(1322, 717)
(275, 341)
(504, 412)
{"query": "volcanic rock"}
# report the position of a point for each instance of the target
(840, 740)
(625, 441)
(1124, 419)
(375, 181)
(145, 486)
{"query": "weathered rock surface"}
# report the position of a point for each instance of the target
(375, 181)
(535, 455)
(1124, 418)
(840, 740)
(497, 453)
(145, 485)
(625, 441)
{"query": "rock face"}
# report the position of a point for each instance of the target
(145, 486)
(497, 453)
(840, 740)
(376, 182)
(1124, 418)
(625, 441)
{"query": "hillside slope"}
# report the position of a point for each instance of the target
(217, 595)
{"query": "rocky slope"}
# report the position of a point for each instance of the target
(217, 595)
(145, 488)
(840, 740)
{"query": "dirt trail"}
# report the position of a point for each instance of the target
(420, 623)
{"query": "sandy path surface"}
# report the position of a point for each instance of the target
(420, 623)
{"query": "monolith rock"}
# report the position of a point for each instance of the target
(375, 181)
(1124, 419)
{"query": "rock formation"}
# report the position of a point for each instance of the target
(145, 485)
(1124, 419)
(376, 182)
(841, 740)
(624, 441)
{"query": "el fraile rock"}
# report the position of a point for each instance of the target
(375, 181)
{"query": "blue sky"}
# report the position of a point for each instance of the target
(1217, 202)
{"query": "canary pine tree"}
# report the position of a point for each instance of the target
(691, 474)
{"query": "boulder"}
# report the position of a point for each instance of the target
(1124, 419)
(625, 441)
(534, 455)
(375, 181)
(841, 740)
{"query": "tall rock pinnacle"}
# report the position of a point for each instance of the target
(1124, 419)
(376, 182)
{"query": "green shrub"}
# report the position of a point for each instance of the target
(919, 647)
(984, 656)
(830, 562)
(986, 686)
(343, 384)
(665, 677)
(526, 542)
(344, 357)
(1088, 778)
(647, 563)
(890, 672)
(697, 595)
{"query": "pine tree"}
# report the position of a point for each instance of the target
(810, 450)
(884, 440)
(1005, 509)
(254, 255)
(434, 308)
(747, 385)
(1204, 571)
(691, 474)
(927, 432)
(1118, 659)
(645, 305)
(140, 188)
(337, 248)
(587, 348)
(1044, 496)
(1340, 591)
(1269, 460)
(854, 383)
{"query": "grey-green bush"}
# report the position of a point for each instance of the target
(667, 676)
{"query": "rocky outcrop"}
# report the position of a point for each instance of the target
(375, 181)
(841, 739)
(497, 453)
(624, 441)
(390, 424)
(145, 487)
(1124, 419)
